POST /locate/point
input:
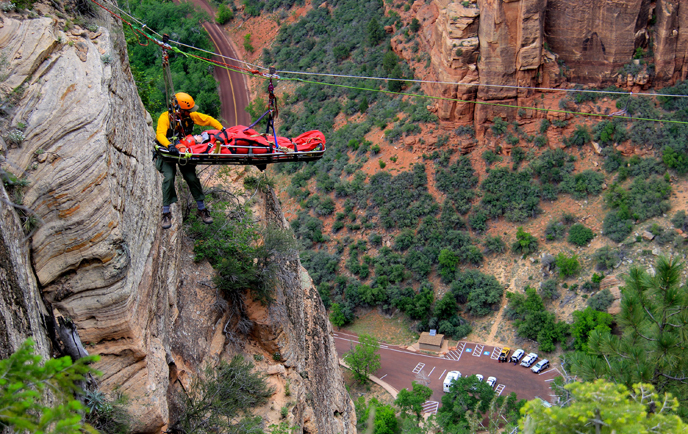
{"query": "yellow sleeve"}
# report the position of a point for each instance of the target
(161, 131)
(205, 120)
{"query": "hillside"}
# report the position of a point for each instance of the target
(395, 179)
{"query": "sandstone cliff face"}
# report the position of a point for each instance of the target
(99, 258)
(520, 42)
(595, 37)
(671, 43)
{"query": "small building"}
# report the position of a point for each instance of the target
(430, 341)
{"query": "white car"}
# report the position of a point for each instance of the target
(449, 379)
(517, 356)
(479, 377)
(529, 360)
(540, 366)
(491, 381)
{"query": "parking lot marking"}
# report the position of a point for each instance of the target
(453, 355)
(551, 379)
(468, 350)
(430, 407)
(384, 346)
(419, 367)
(433, 368)
(495, 353)
(499, 389)
(443, 374)
(383, 376)
(478, 350)
(553, 369)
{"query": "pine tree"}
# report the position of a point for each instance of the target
(652, 348)
(24, 386)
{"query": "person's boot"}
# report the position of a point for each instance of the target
(204, 215)
(166, 220)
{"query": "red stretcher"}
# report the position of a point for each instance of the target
(240, 145)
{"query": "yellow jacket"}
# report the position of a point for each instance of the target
(197, 118)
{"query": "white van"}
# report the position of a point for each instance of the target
(449, 379)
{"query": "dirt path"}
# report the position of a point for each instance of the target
(497, 322)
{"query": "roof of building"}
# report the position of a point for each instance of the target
(426, 339)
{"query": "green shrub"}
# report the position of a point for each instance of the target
(540, 141)
(583, 184)
(224, 14)
(555, 230)
(494, 245)
(221, 399)
(490, 157)
(580, 235)
(601, 301)
(544, 126)
(680, 221)
(525, 243)
(247, 43)
(510, 194)
(568, 265)
(549, 290)
(415, 25)
(533, 321)
(579, 137)
(479, 292)
(617, 225)
(518, 155)
(552, 166)
(499, 126)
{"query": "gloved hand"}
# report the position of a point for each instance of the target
(172, 148)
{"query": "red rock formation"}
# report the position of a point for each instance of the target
(594, 37)
(671, 41)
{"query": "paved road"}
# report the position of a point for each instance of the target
(234, 94)
(399, 368)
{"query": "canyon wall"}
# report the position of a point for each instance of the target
(98, 258)
(545, 43)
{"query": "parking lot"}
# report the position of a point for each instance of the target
(399, 368)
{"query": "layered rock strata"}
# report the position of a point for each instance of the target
(98, 257)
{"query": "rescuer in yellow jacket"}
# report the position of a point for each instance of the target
(164, 132)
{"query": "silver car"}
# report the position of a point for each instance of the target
(529, 360)
(540, 366)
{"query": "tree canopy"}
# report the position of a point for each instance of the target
(363, 359)
(604, 407)
(652, 347)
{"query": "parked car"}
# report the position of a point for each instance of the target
(479, 377)
(517, 356)
(529, 360)
(504, 355)
(449, 379)
(540, 366)
(491, 381)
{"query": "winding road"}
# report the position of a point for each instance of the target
(234, 94)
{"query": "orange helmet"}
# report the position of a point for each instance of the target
(185, 101)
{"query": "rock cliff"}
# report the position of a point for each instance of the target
(479, 43)
(98, 257)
